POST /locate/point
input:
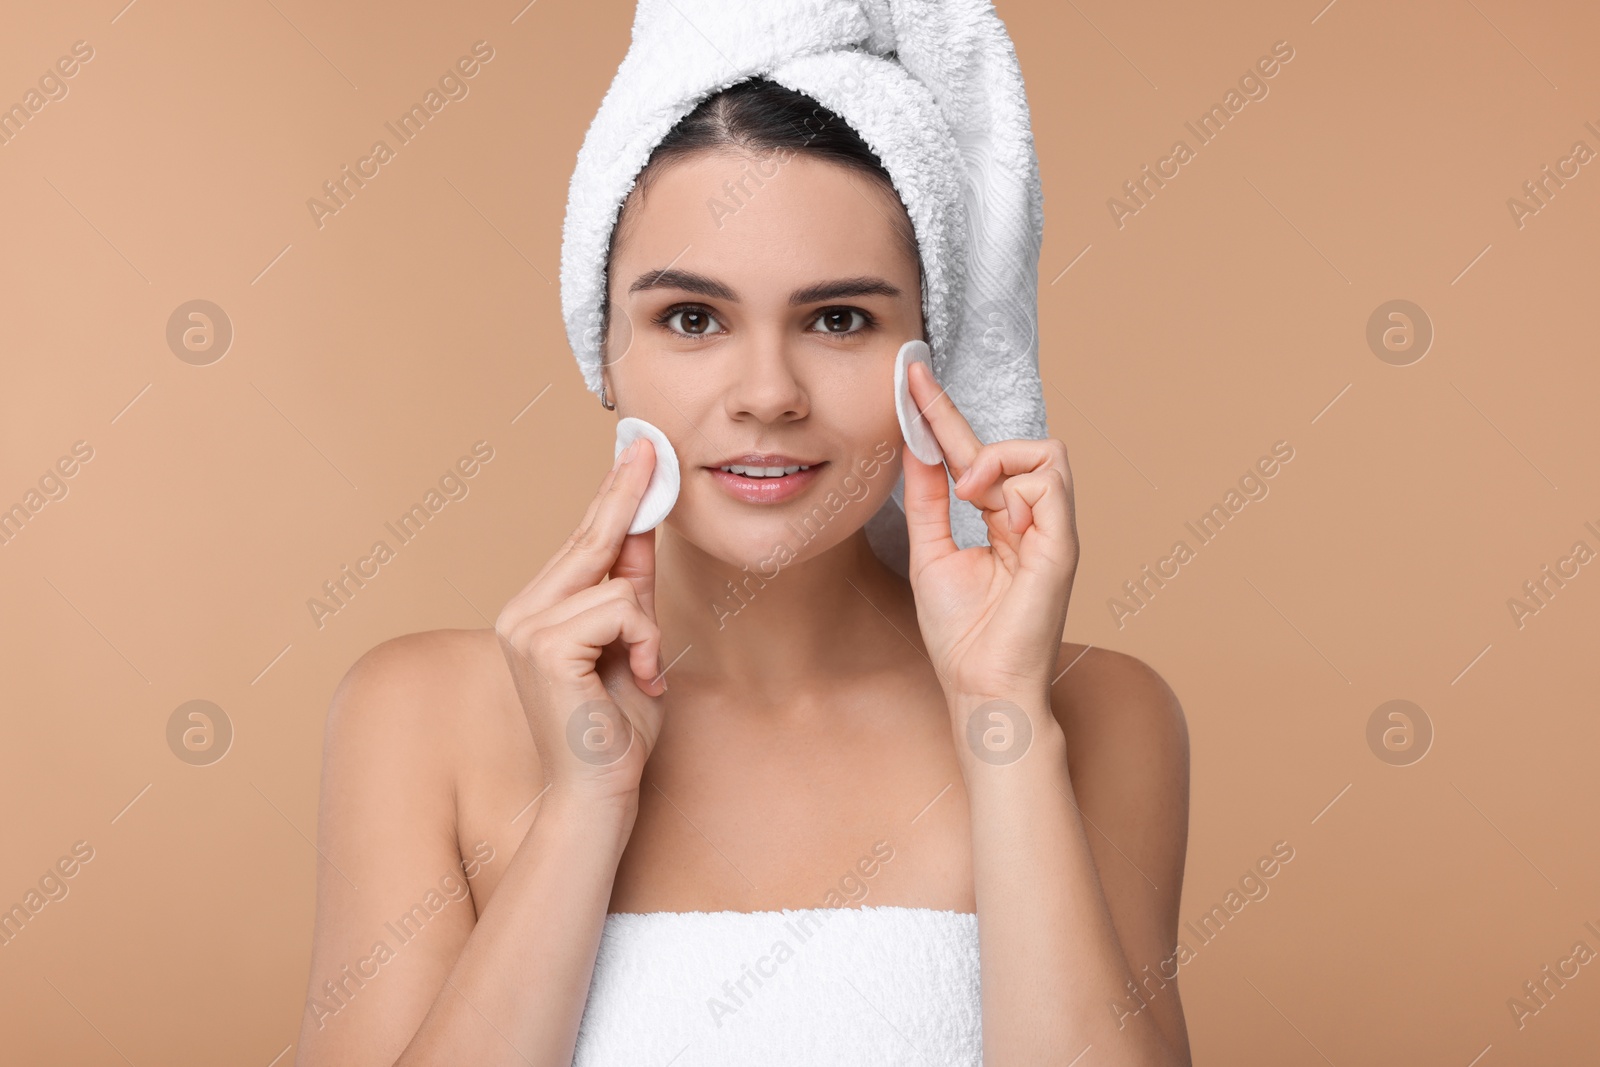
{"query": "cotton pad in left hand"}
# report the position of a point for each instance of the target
(662, 492)
(913, 425)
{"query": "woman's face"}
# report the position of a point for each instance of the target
(756, 310)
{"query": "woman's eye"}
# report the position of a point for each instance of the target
(696, 322)
(841, 320)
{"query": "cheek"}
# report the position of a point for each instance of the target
(860, 404)
(858, 411)
(870, 462)
(669, 390)
(620, 334)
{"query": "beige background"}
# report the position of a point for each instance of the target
(1228, 314)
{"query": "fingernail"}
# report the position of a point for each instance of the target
(627, 453)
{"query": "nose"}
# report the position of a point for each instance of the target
(765, 386)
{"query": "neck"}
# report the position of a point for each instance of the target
(767, 635)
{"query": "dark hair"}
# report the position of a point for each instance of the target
(761, 116)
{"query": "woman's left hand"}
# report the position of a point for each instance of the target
(991, 616)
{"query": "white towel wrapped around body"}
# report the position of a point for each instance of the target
(934, 88)
(812, 987)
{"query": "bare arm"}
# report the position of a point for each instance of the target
(1078, 851)
(435, 983)
(516, 992)
(386, 835)
(1066, 917)
(1059, 919)
(403, 964)
(1128, 754)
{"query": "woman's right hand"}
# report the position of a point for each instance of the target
(584, 648)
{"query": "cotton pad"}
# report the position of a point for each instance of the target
(913, 426)
(662, 492)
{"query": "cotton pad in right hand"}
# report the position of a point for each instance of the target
(662, 492)
(913, 425)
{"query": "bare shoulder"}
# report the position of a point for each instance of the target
(419, 703)
(420, 731)
(419, 676)
(1128, 759)
(1118, 706)
(418, 662)
(402, 728)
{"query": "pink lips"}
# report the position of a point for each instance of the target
(765, 490)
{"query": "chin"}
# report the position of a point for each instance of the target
(767, 539)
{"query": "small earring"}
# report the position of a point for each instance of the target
(603, 402)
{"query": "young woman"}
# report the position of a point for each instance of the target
(690, 723)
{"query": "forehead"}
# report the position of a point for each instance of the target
(752, 221)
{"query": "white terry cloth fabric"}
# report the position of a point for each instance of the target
(809, 987)
(934, 88)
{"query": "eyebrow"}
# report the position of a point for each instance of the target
(863, 286)
(690, 282)
(686, 280)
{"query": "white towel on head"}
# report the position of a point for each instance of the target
(934, 88)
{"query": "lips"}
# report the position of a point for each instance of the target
(765, 477)
(765, 459)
